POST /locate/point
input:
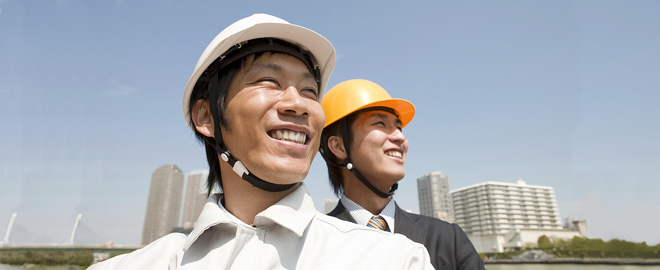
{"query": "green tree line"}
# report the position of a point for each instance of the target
(46, 257)
(81, 258)
(597, 248)
(579, 247)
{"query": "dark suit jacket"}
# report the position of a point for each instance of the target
(447, 244)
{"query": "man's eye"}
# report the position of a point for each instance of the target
(269, 81)
(311, 93)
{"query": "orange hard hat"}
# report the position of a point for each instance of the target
(354, 95)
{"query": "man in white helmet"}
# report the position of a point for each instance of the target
(365, 152)
(253, 100)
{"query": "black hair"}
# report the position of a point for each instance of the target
(333, 163)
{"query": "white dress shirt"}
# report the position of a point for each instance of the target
(290, 234)
(362, 216)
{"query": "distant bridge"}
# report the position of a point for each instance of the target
(81, 236)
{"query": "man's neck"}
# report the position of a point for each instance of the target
(245, 201)
(362, 195)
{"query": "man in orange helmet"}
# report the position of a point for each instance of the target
(365, 152)
(253, 101)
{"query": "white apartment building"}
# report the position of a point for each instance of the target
(495, 207)
(499, 216)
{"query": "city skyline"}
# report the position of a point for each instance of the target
(326, 203)
(558, 93)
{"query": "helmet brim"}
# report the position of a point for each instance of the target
(404, 109)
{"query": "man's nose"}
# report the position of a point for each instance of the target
(292, 102)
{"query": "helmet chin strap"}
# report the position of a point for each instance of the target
(364, 181)
(244, 173)
(225, 155)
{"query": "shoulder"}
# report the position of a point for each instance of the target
(436, 229)
(155, 255)
(428, 222)
(337, 224)
(348, 232)
(342, 239)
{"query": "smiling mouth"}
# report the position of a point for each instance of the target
(395, 154)
(289, 136)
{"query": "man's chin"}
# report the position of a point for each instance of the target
(398, 176)
(291, 177)
(285, 176)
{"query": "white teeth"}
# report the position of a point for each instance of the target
(288, 135)
(395, 154)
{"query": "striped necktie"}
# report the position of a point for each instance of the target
(378, 222)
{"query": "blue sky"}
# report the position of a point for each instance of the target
(558, 93)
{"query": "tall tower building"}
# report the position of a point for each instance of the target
(498, 208)
(434, 198)
(194, 198)
(164, 203)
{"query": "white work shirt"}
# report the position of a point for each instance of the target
(362, 216)
(290, 234)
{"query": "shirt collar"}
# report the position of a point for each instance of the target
(293, 212)
(362, 216)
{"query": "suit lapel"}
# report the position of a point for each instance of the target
(406, 224)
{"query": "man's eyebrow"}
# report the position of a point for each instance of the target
(269, 66)
(278, 68)
(308, 75)
(384, 116)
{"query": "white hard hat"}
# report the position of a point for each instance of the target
(264, 26)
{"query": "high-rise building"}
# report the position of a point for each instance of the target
(194, 197)
(163, 204)
(434, 198)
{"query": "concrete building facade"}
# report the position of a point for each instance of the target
(164, 203)
(434, 197)
(194, 198)
(499, 216)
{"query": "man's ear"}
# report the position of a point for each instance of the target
(202, 117)
(336, 146)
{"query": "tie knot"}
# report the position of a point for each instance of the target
(378, 222)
